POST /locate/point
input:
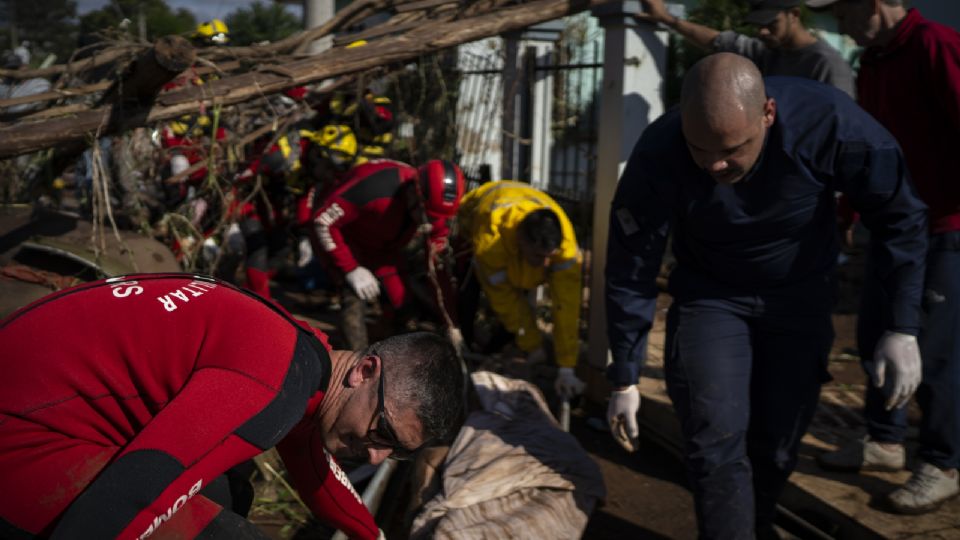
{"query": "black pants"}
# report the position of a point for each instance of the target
(468, 307)
(744, 375)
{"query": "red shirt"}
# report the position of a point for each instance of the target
(912, 86)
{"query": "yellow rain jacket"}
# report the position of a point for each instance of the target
(489, 217)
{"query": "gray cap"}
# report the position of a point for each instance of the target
(817, 4)
(763, 12)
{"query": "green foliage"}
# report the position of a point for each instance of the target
(261, 22)
(160, 20)
(49, 26)
(717, 14)
(425, 95)
(722, 15)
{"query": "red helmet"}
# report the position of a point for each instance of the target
(440, 187)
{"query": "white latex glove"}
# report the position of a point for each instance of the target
(567, 384)
(364, 283)
(899, 356)
(622, 416)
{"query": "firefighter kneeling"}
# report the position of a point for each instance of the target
(363, 226)
(521, 238)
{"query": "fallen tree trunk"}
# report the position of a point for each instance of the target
(98, 59)
(80, 91)
(350, 14)
(29, 137)
(56, 94)
(154, 68)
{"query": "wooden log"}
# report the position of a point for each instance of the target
(80, 91)
(46, 114)
(351, 14)
(300, 41)
(424, 4)
(29, 137)
(99, 59)
(152, 69)
(376, 32)
(56, 94)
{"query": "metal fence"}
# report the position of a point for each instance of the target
(546, 134)
(577, 75)
(479, 110)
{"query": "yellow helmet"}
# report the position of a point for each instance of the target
(336, 143)
(213, 32)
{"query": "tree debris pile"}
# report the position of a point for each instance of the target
(99, 129)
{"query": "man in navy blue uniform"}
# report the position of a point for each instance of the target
(745, 175)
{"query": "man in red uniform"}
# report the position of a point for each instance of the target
(159, 383)
(298, 158)
(364, 224)
(909, 80)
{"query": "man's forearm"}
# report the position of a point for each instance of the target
(699, 35)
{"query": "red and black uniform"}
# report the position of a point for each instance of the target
(148, 393)
(368, 220)
(265, 223)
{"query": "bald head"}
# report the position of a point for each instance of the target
(725, 112)
(720, 86)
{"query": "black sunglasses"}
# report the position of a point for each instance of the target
(383, 435)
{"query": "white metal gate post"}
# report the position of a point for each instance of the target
(528, 101)
(634, 64)
(512, 105)
(542, 39)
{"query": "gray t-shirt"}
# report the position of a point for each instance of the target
(818, 61)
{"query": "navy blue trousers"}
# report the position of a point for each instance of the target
(939, 392)
(744, 374)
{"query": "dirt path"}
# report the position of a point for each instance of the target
(647, 495)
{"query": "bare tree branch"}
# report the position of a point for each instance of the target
(26, 137)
